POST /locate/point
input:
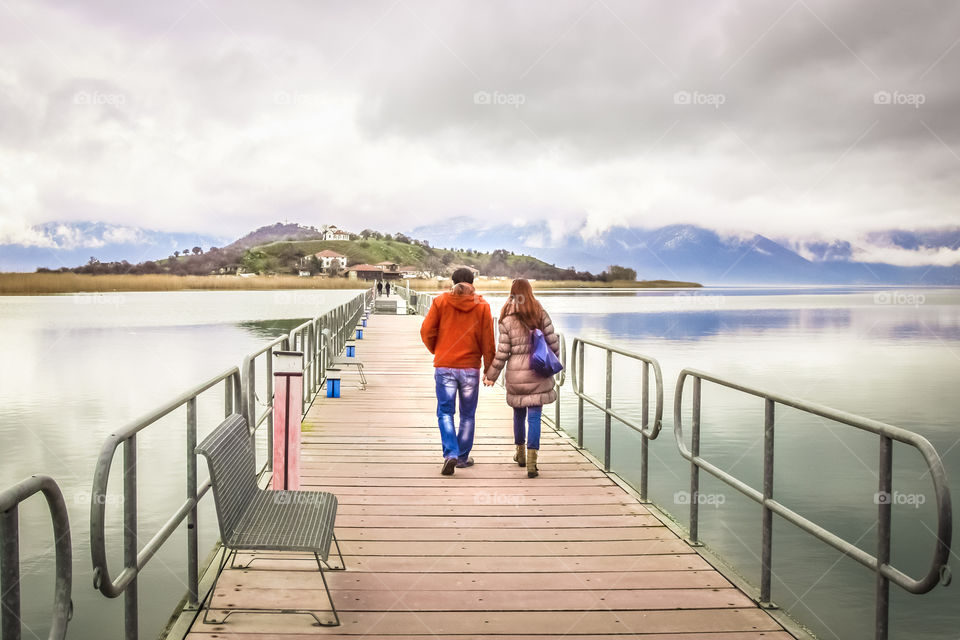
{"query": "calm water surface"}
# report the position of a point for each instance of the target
(77, 367)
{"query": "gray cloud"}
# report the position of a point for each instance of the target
(218, 116)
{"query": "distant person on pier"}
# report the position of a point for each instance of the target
(458, 331)
(527, 390)
(388, 289)
(379, 287)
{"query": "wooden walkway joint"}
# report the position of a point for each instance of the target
(484, 553)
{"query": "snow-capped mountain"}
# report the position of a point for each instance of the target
(62, 244)
(690, 252)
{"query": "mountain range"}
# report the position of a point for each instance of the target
(693, 253)
(673, 252)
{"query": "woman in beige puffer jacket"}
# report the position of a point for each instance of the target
(527, 390)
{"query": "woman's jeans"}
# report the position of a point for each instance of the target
(450, 384)
(532, 415)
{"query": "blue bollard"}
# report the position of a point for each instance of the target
(359, 332)
(351, 349)
(363, 322)
(333, 383)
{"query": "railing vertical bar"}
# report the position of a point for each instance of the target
(767, 534)
(10, 573)
(193, 551)
(606, 414)
(131, 623)
(884, 514)
(227, 397)
(269, 394)
(581, 375)
(694, 469)
(644, 421)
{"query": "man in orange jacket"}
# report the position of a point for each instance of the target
(458, 331)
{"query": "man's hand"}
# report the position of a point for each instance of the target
(487, 382)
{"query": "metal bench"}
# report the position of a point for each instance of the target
(254, 519)
(343, 361)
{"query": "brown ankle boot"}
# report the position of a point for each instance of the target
(520, 457)
(532, 463)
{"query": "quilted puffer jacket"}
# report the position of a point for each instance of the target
(525, 387)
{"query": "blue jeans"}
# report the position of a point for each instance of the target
(451, 383)
(532, 414)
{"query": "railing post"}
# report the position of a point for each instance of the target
(580, 394)
(644, 420)
(767, 540)
(694, 469)
(131, 623)
(10, 573)
(193, 553)
(227, 397)
(606, 414)
(269, 422)
(884, 502)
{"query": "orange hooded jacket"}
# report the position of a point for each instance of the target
(458, 329)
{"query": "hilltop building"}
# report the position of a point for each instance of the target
(331, 232)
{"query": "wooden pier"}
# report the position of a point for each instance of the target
(484, 553)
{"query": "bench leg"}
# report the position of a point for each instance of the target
(228, 556)
(333, 608)
(343, 565)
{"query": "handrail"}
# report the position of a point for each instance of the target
(135, 559)
(239, 394)
(10, 499)
(646, 431)
(880, 564)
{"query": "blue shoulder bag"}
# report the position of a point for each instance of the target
(542, 359)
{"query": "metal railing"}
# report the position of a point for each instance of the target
(644, 428)
(879, 564)
(10, 499)
(239, 388)
(134, 559)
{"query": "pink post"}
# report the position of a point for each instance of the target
(287, 398)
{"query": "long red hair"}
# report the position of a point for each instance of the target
(523, 304)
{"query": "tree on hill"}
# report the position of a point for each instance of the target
(616, 272)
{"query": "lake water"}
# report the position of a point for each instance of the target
(77, 367)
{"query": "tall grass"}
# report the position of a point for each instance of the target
(19, 284)
(47, 283)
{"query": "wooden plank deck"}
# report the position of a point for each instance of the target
(484, 553)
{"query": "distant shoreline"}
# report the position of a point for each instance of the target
(33, 284)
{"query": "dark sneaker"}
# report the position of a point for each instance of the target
(464, 463)
(449, 465)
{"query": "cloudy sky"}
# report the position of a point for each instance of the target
(817, 118)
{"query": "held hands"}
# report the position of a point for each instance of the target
(487, 382)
